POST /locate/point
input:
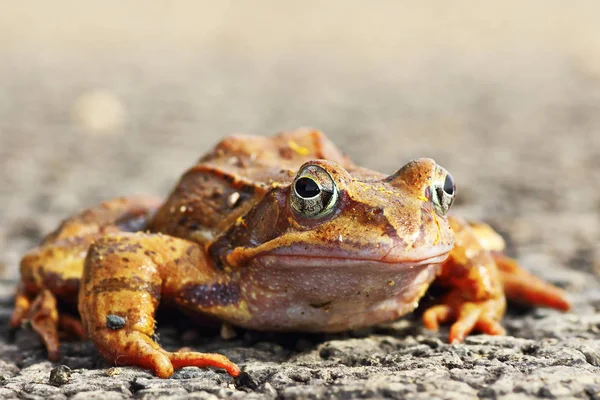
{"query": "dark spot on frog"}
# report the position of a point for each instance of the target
(373, 216)
(375, 210)
(247, 190)
(286, 152)
(321, 305)
(226, 177)
(60, 375)
(207, 295)
(114, 322)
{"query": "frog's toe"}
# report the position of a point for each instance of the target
(436, 315)
(468, 316)
(482, 316)
(193, 359)
(132, 347)
(22, 305)
(43, 316)
(465, 323)
(490, 326)
(474, 320)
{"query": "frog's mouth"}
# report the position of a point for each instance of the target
(316, 257)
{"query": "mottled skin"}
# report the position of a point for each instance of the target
(241, 239)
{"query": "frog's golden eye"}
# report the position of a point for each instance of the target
(314, 192)
(442, 191)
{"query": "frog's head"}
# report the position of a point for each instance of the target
(330, 216)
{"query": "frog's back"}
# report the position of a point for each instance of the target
(227, 182)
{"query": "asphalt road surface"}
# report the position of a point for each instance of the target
(103, 99)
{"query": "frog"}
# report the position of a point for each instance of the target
(280, 234)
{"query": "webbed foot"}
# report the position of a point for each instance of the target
(45, 319)
(483, 316)
(131, 347)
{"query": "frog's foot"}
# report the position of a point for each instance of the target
(482, 316)
(46, 321)
(43, 316)
(131, 347)
(521, 286)
(22, 305)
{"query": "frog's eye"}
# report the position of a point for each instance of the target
(314, 192)
(442, 191)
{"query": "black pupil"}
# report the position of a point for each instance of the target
(307, 188)
(449, 185)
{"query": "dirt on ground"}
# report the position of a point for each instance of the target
(103, 99)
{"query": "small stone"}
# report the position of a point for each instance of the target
(245, 381)
(114, 322)
(113, 371)
(60, 375)
(269, 390)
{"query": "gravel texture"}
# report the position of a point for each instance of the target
(98, 100)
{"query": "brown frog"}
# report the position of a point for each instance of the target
(275, 234)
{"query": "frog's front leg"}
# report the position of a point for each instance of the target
(519, 285)
(478, 275)
(51, 271)
(125, 277)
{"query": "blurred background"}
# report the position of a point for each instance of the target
(99, 99)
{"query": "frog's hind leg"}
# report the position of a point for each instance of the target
(125, 277)
(523, 287)
(519, 284)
